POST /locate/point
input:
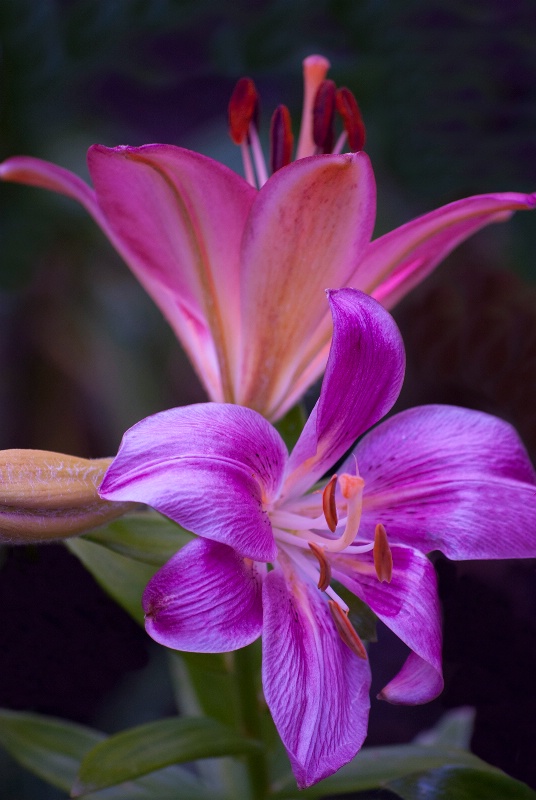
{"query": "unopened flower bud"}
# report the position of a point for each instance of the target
(46, 496)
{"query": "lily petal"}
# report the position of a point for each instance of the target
(437, 478)
(206, 599)
(178, 219)
(315, 686)
(308, 226)
(409, 606)
(363, 378)
(213, 468)
(397, 262)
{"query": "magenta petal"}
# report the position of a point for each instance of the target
(363, 378)
(308, 227)
(178, 219)
(409, 606)
(398, 261)
(211, 467)
(450, 479)
(315, 686)
(206, 599)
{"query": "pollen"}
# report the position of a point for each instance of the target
(328, 503)
(324, 579)
(383, 558)
(346, 630)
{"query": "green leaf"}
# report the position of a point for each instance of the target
(462, 783)
(454, 729)
(205, 686)
(373, 767)
(53, 749)
(50, 748)
(145, 536)
(291, 425)
(146, 748)
(122, 578)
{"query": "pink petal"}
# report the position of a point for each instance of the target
(315, 686)
(308, 227)
(400, 260)
(450, 479)
(206, 599)
(409, 606)
(35, 172)
(213, 468)
(363, 378)
(178, 219)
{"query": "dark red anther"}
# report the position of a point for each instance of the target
(329, 505)
(324, 116)
(281, 138)
(351, 118)
(243, 109)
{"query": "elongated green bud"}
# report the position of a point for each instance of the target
(46, 496)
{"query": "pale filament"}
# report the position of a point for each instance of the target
(309, 567)
(302, 540)
(248, 166)
(258, 156)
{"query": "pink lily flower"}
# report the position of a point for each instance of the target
(431, 478)
(237, 266)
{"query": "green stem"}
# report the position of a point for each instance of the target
(250, 716)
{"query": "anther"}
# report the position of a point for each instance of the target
(324, 578)
(281, 138)
(383, 558)
(324, 116)
(346, 630)
(329, 505)
(243, 109)
(351, 118)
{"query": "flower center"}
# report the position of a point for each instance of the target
(322, 102)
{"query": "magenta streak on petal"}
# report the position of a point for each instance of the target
(206, 599)
(450, 479)
(409, 606)
(315, 686)
(213, 468)
(396, 262)
(363, 377)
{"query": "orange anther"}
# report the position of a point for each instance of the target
(328, 503)
(383, 558)
(351, 118)
(325, 568)
(346, 630)
(324, 116)
(243, 109)
(281, 138)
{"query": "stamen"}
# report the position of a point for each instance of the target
(281, 138)
(243, 109)
(324, 578)
(324, 116)
(352, 491)
(329, 505)
(315, 69)
(383, 558)
(351, 118)
(346, 630)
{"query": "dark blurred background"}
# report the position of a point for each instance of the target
(448, 93)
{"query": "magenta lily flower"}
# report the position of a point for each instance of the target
(272, 541)
(237, 266)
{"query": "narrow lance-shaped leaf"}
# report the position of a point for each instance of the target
(150, 747)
